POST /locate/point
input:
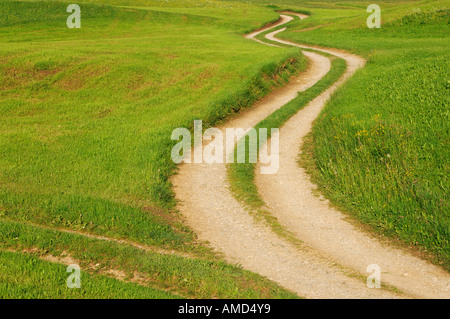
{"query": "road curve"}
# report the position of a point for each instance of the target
(289, 195)
(334, 249)
(211, 210)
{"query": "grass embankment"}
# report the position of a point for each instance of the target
(380, 148)
(87, 115)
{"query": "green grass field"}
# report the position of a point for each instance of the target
(86, 117)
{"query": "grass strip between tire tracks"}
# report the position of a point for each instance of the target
(242, 175)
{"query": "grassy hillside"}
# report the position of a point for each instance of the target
(380, 149)
(86, 117)
(87, 114)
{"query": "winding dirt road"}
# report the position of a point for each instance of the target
(334, 258)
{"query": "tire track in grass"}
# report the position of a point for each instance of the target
(289, 195)
(211, 210)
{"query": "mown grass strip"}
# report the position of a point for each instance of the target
(242, 175)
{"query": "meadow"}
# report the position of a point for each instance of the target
(87, 115)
